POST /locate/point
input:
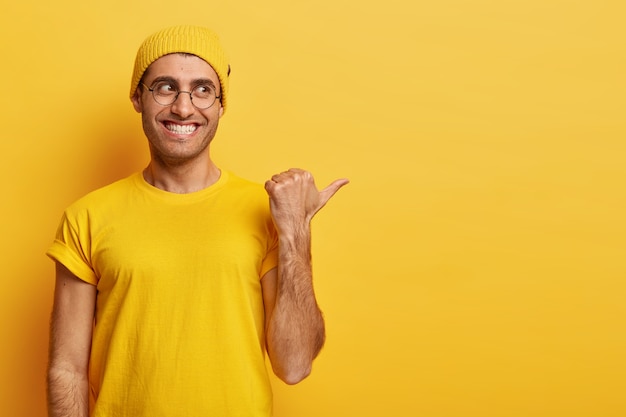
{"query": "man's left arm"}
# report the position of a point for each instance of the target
(294, 324)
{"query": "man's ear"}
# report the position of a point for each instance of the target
(136, 100)
(221, 110)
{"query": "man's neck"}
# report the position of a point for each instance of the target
(181, 179)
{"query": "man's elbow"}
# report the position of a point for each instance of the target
(294, 374)
(293, 365)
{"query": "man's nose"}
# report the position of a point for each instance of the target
(183, 104)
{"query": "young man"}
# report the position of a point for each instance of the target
(172, 284)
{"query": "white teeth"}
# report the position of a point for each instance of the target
(181, 129)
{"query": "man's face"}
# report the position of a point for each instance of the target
(179, 132)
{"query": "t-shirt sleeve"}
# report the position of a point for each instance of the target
(71, 248)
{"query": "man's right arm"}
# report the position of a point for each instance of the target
(71, 329)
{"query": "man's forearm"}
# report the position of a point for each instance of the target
(296, 331)
(68, 394)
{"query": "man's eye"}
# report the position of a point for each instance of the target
(165, 88)
(203, 91)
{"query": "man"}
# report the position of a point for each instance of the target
(172, 284)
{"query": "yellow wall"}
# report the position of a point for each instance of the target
(475, 265)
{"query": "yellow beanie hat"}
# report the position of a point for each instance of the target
(195, 40)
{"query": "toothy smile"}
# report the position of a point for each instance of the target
(180, 129)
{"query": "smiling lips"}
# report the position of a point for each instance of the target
(180, 129)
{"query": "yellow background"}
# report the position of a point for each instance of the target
(473, 267)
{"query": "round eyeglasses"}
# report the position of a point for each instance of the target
(165, 93)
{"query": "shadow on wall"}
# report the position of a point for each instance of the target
(28, 365)
(120, 147)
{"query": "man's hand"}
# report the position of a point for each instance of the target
(295, 199)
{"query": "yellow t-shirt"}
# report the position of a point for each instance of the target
(179, 323)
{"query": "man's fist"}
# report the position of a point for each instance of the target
(294, 198)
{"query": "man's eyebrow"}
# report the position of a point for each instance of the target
(164, 78)
(203, 81)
